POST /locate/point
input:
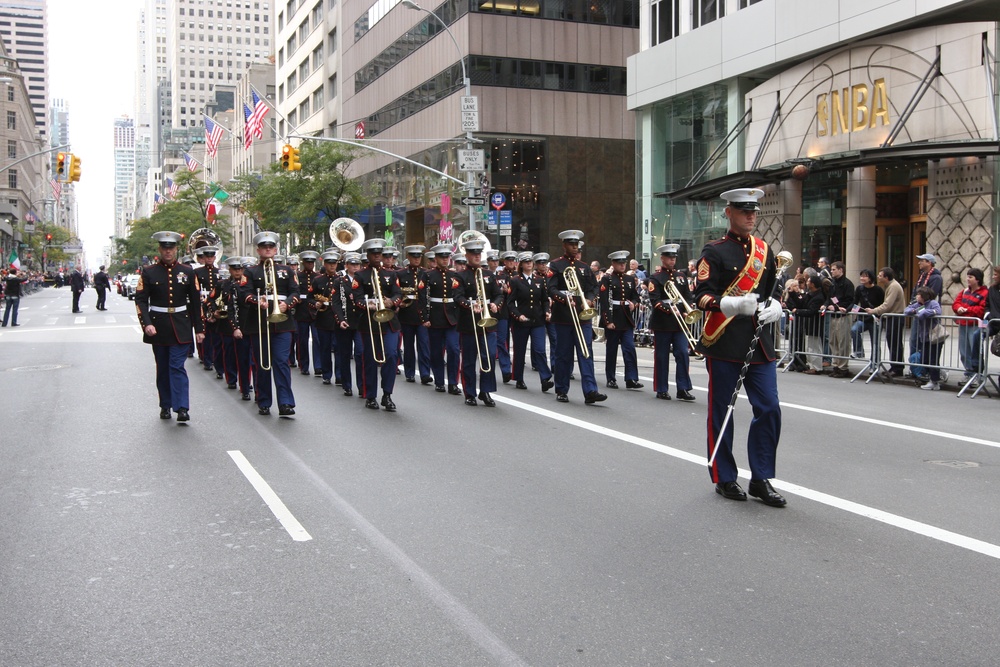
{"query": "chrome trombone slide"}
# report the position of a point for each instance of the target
(574, 291)
(483, 322)
(686, 319)
(379, 315)
(264, 337)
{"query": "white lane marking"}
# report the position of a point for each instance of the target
(876, 422)
(110, 319)
(75, 328)
(49, 321)
(290, 523)
(947, 536)
(450, 606)
(80, 320)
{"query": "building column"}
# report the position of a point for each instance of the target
(790, 204)
(860, 251)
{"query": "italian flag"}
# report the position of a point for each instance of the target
(13, 260)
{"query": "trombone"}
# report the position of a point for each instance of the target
(574, 291)
(274, 313)
(381, 315)
(686, 320)
(484, 322)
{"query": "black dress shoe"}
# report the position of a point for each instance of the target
(454, 390)
(633, 384)
(520, 385)
(246, 396)
(471, 400)
(207, 368)
(348, 392)
(547, 384)
(306, 372)
(685, 396)
(426, 379)
(730, 490)
(439, 388)
(261, 410)
(231, 385)
(594, 397)
(183, 416)
(327, 381)
(663, 395)
(286, 410)
(218, 376)
(612, 384)
(411, 379)
(506, 378)
(388, 404)
(292, 364)
(371, 404)
(761, 488)
(562, 398)
(164, 413)
(487, 401)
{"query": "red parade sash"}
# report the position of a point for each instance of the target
(746, 282)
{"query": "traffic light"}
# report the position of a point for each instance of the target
(293, 163)
(74, 168)
(48, 238)
(61, 167)
(290, 158)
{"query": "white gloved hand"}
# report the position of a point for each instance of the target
(769, 313)
(731, 306)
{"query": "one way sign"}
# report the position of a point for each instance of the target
(474, 201)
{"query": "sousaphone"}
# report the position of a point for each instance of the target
(346, 234)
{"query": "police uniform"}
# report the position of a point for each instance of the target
(251, 291)
(440, 287)
(478, 344)
(668, 333)
(528, 305)
(348, 337)
(619, 297)
(305, 317)
(734, 274)
(167, 297)
(385, 341)
(208, 279)
(415, 338)
(566, 337)
(324, 322)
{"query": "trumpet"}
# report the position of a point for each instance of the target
(484, 322)
(220, 311)
(574, 291)
(686, 320)
(274, 313)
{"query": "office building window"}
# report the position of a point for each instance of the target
(11, 149)
(11, 120)
(663, 21)
(704, 12)
(12, 179)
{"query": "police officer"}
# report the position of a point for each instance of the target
(441, 286)
(271, 358)
(348, 338)
(567, 339)
(305, 317)
(320, 302)
(102, 283)
(736, 273)
(208, 279)
(619, 297)
(416, 347)
(168, 304)
(380, 339)
(528, 303)
(668, 333)
(478, 342)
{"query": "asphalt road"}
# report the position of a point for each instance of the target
(534, 533)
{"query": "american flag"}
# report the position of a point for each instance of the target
(191, 163)
(256, 120)
(157, 200)
(171, 188)
(247, 129)
(30, 217)
(213, 135)
(56, 187)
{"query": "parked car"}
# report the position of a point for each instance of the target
(131, 282)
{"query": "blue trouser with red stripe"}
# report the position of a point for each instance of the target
(663, 342)
(387, 346)
(171, 376)
(761, 386)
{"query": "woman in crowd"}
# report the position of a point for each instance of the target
(926, 310)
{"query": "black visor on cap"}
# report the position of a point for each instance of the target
(745, 205)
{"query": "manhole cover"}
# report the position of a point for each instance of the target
(956, 464)
(40, 367)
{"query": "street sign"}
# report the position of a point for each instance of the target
(470, 121)
(359, 130)
(506, 222)
(470, 103)
(473, 201)
(498, 200)
(471, 160)
(70, 248)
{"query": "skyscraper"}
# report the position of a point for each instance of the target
(124, 146)
(24, 33)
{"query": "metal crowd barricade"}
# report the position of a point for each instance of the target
(805, 335)
(643, 336)
(948, 360)
(985, 377)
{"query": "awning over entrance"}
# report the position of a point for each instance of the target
(869, 156)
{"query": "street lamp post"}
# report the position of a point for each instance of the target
(469, 180)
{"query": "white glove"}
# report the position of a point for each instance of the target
(731, 306)
(769, 313)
